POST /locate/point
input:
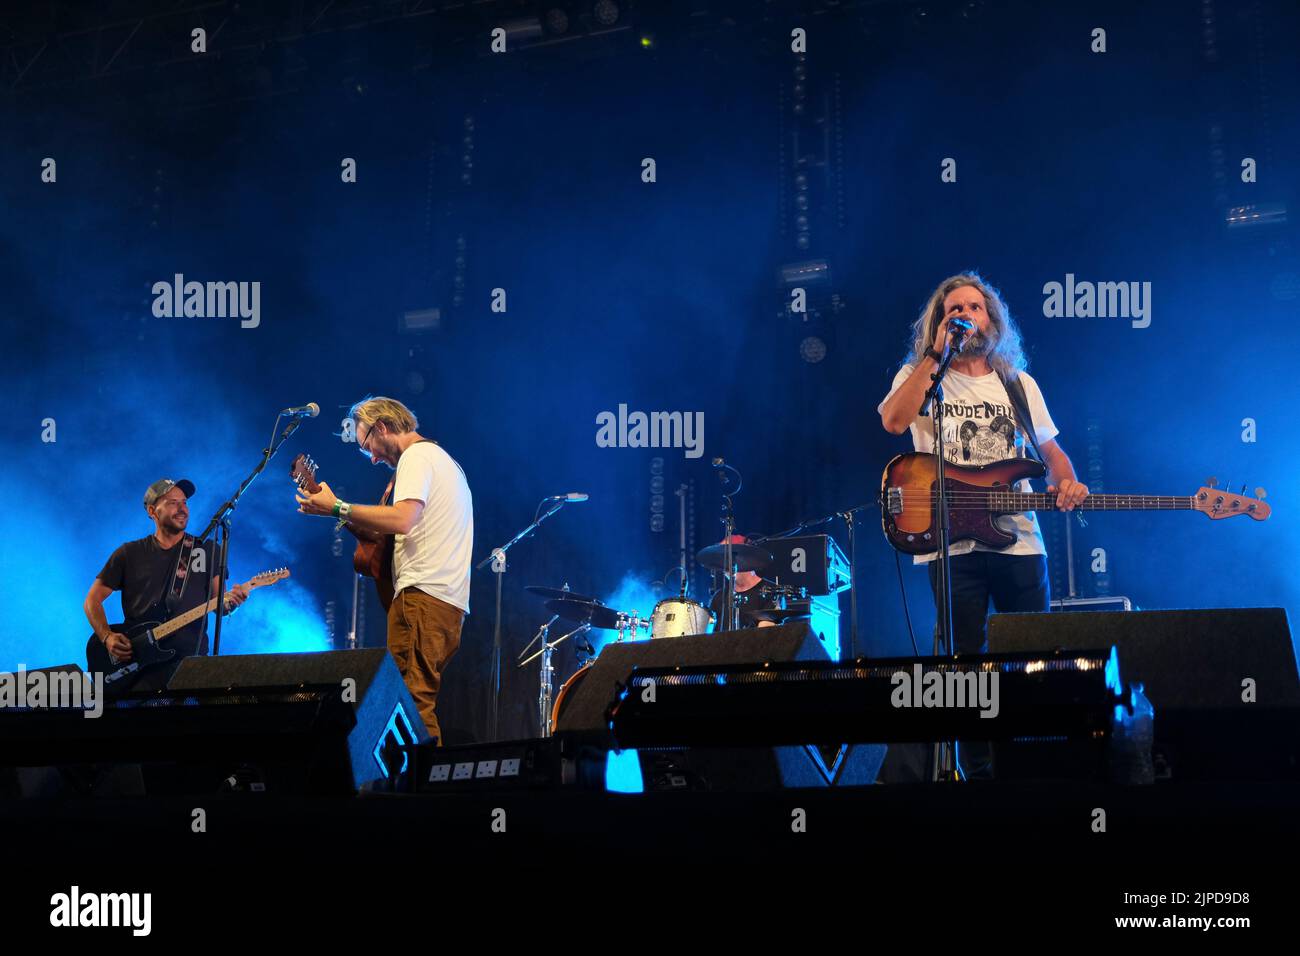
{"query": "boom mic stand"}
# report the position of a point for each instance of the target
(497, 558)
(220, 521)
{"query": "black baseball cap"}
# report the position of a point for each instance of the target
(164, 485)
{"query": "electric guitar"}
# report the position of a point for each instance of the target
(373, 556)
(144, 634)
(978, 495)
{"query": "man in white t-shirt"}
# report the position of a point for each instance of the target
(432, 520)
(980, 428)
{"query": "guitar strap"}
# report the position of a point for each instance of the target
(180, 576)
(1020, 408)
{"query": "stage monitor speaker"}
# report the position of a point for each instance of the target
(51, 781)
(386, 715)
(585, 701)
(1223, 682)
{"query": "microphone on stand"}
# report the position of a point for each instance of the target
(959, 328)
(310, 410)
(720, 466)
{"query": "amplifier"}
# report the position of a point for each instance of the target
(811, 561)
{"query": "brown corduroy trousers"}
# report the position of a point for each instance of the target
(423, 634)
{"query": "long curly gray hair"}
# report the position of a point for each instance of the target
(1006, 354)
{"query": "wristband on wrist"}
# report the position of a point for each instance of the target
(337, 505)
(931, 353)
(345, 510)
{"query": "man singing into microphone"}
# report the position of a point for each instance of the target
(432, 519)
(980, 427)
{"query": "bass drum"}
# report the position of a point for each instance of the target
(558, 707)
(679, 617)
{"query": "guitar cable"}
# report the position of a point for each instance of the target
(902, 590)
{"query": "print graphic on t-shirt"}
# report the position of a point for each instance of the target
(980, 433)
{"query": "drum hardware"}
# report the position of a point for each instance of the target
(780, 594)
(547, 671)
(562, 594)
(590, 612)
(631, 622)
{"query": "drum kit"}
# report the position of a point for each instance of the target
(677, 616)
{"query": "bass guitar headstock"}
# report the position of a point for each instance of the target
(303, 474)
(1215, 503)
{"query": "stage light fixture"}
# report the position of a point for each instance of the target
(812, 349)
(605, 12)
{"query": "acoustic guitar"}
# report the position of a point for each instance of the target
(373, 555)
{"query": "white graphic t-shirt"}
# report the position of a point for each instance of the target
(980, 429)
(435, 556)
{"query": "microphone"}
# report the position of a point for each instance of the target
(959, 327)
(571, 496)
(310, 410)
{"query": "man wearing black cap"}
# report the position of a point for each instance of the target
(168, 566)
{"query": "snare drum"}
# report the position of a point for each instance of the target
(678, 617)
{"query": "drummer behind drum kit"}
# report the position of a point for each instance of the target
(677, 616)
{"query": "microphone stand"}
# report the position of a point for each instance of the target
(946, 767)
(220, 521)
(728, 560)
(498, 561)
(851, 522)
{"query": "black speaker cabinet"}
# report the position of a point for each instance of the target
(586, 699)
(1223, 682)
(385, 713)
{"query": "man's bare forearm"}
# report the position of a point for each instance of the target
(97, 618)
(903, 406)
(379, 519)
(1058, 468)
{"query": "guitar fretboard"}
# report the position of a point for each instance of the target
(1044, 501)
(193, 614)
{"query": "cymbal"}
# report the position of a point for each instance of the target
(746, 556)
(600, 616)
(558, 594)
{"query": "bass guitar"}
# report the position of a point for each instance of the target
(978, 495)
(145, 632)
(373, 556)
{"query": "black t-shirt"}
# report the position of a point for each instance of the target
(143, 569)
(756, 602)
